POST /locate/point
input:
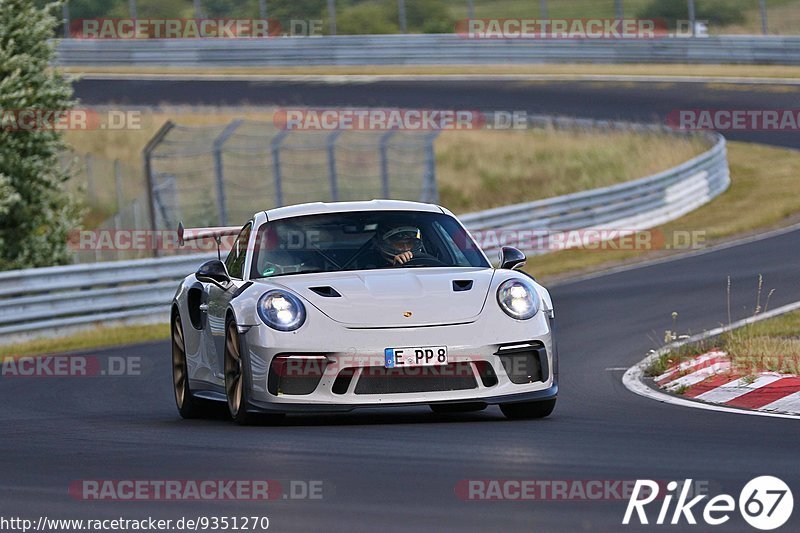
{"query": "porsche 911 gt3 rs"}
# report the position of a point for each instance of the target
(326, 307)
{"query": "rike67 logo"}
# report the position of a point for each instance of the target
(765, 503)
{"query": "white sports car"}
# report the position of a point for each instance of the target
(326, 307)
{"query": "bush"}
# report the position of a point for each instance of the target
(365, 18)
(36, 214)
(716, 12)
(381, 17)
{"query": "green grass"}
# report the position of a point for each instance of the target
(483, 169)
(100, 337)
(771, 345)
(676, 356)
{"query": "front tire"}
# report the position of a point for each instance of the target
(188, 405)
(237, 389)
(528, 410)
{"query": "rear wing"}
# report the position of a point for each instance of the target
(193, 234)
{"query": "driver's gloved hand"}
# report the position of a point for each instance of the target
(403, 258)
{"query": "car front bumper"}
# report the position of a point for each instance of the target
(332, 348)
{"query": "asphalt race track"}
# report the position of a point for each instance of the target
(645, 102)
(392, 470)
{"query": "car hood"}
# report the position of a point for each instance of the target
(398, 297)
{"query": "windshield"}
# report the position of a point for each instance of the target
(362, 241)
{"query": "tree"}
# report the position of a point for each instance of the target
(36, 214)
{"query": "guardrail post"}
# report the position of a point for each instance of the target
(762, 6)
(430, 191)
(401, 15)
(692, 18)
(276, 166)
(65, 19)
(332, 17)
(331, 143)
(219, 142)
(90, 179)
(383, 147)
(543, 9)
(137, 214)
(147, 154)
(118, 186)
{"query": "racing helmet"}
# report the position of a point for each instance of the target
(398, 240)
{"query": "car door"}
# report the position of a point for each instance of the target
(218, 299)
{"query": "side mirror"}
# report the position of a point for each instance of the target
(214, 271)
(511, 258)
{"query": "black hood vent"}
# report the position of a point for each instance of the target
(460, 285)
(327, 292)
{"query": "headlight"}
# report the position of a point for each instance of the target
(281, 310)
(518, 299)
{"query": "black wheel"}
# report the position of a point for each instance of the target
(528, 410)
(188, 405)
(445, 408)
(236, 382)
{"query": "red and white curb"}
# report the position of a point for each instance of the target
(707, 381)
(710, 378)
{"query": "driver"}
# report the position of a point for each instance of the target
(399, 245)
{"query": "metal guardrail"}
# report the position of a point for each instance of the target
(442, 49)
(57, 299)
(626, 207)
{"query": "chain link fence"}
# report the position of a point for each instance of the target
(221, 175)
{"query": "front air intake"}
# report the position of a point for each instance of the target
(524, 362)
(295, 374)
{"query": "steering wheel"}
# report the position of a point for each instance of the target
(423, 260)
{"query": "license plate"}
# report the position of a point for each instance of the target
(425, 356)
